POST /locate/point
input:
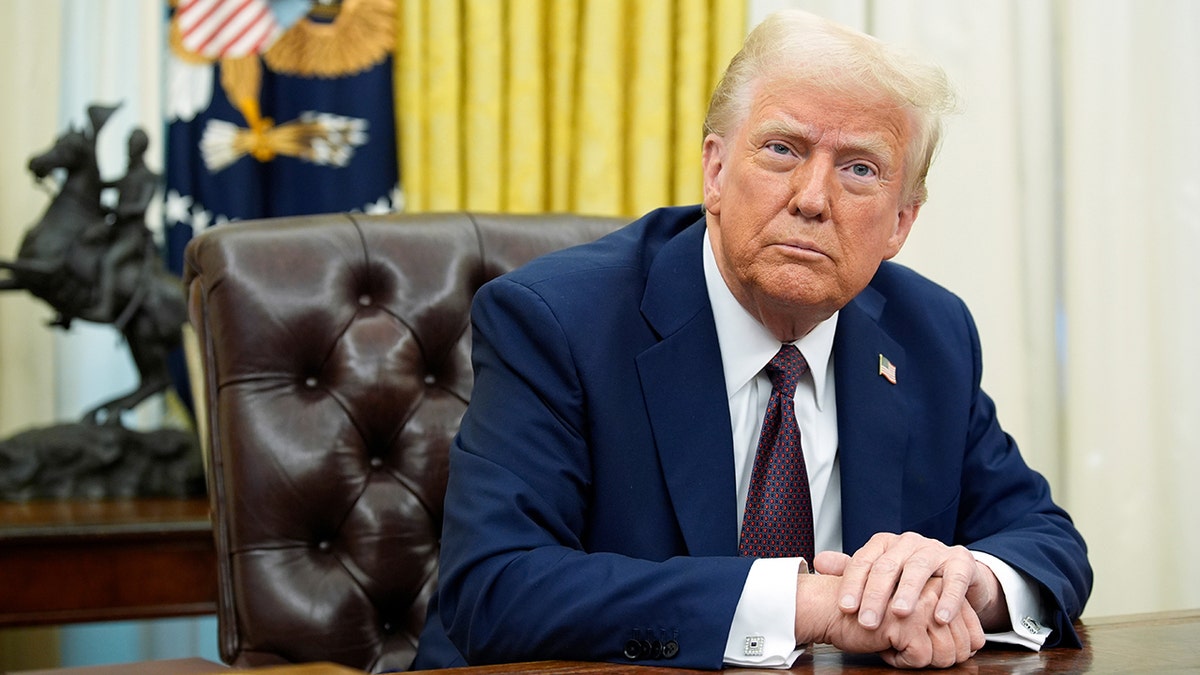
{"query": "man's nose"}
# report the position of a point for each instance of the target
(812, 188)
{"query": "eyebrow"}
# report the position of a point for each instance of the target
(873, 145)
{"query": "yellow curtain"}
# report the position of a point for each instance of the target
(586, 106)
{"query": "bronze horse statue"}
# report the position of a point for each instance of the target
(99, 264)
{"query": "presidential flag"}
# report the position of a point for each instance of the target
(277, 108)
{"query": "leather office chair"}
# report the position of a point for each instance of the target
(336, 359)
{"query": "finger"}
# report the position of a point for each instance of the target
(910, 638)
(885, 571)
(974, 627)
(856, 571)
(889, 657)
(958, 572)
(899, 659)
(963, 649)
(944, 647)
(831, 562)
(917, 654)
(877, 591)
(918, 569)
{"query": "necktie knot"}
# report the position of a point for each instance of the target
(786, 368)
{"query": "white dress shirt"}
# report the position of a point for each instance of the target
(763, 629)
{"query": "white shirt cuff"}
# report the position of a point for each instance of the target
(1025, 609)
(763, 633)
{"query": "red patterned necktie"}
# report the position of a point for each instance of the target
(778, 521)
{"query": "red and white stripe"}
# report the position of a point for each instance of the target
(226, 28)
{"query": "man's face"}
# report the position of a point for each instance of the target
(804, 201)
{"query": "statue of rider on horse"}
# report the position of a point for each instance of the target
(97, 263)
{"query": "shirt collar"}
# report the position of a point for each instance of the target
(746, 345)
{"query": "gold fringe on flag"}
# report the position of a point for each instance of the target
(361, 36)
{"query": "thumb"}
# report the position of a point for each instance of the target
(830, 562)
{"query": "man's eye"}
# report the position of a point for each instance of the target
(862, 170)
(779, 148)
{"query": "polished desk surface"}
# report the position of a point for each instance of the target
(101, 560)
(1165, 642)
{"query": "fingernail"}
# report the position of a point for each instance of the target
(868, 618)
(943, 615)
(848, 601)
(901, 605)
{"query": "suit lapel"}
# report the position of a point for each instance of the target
(873, 422)
(684, 388)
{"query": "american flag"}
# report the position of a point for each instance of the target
(887, 369)
(227, 28)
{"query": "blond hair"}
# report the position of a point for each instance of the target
(840, 60)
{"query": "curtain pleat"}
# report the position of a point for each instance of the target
(560, 115)
(525, 128)
(692, 79)
(482, 146)
(651, 105)
(602, 106)
(412, 102)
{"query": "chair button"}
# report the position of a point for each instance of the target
(364, 300)
(376, 462)
(310, 382)
(324, 546)
(430, 379)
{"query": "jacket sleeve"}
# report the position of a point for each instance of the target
(1006, 510)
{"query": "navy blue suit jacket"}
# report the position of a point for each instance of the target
(591, 495)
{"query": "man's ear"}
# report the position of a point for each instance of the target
(713, 162)
(904, 223)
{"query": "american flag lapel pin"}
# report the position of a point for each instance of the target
(887, 369)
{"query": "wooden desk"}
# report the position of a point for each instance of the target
(1145, 643)
(81, 560)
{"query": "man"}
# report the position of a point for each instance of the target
(606, 499)
(127, 244)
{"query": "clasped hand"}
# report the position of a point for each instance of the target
(914, 600)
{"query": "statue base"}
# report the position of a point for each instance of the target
(91, 461)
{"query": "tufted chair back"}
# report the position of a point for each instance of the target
(336, 359)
